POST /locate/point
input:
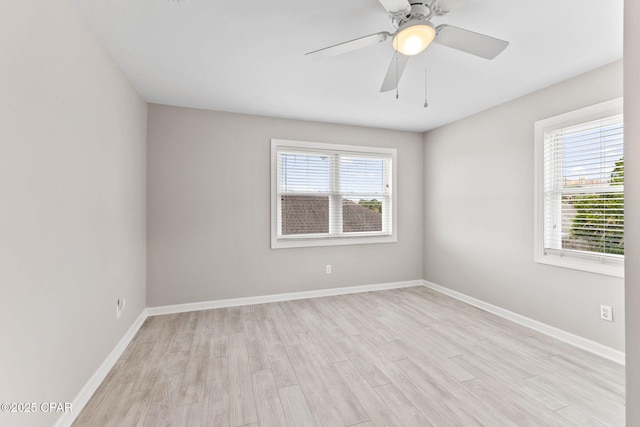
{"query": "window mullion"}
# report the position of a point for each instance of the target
(335, 203)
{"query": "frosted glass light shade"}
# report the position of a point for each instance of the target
(414, 38)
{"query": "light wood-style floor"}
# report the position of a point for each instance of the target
(405, 357)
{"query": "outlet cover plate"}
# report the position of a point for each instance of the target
(606, 313)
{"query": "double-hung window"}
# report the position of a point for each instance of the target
(329, 194)
(580, 189)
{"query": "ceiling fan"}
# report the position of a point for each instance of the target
(414, 32)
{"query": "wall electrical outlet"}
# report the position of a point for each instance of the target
(606, 313)
(120, 302)
(328, 268)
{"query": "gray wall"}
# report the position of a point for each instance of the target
(72, 205)
(209, 210)
(632, 205)
(479, 214)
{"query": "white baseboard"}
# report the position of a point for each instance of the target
(575, 340)
(96, 379)
(235, 302)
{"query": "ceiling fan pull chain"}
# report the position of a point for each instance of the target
(425, 89)
(397, 72)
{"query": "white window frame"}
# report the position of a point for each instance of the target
(591, 263)
(386, 236)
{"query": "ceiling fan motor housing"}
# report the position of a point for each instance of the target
(418, 12)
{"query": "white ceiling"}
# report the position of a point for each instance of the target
(248, 56)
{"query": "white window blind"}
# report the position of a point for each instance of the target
(584, 190)
(332, 192)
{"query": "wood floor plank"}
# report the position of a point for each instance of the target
(286, 331)
(575, 416)
(574, 370)
(442, 372)
(540, 395)
(154, 361)
(101, 407)
(137, 406)
(385, 351)
(375, 407)
(188, 415)
(364, 314)
(521, 411)
(506, 394)
(322, 337)
(219, 346)
(216, 412)
(608, 411)
(98, 404)
(151, 330)
(236, 325)
(343, 397)
(290, 311)
(243, 405)
(184, 335)
(258, 355)
(403, 357)
(261, 312)
(563, 372)
(404, 412)
(318, 397)
(278, 358)
(295, 406)
(322, 314)
(155, 416)
(591, 363)
(488, 354)
(270, 412)
(340, 317)
(164, 390)
(193, 385)
(448, 409)
(414, 395)
(364, 361)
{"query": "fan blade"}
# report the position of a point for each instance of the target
(468, 41)
(398, 63)
(395, 6)
(451, 5)
(349, 46)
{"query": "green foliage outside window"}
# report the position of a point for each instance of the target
(598, 225)
(373, 204)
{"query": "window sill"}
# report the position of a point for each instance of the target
(615, 270)
(328, 241)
